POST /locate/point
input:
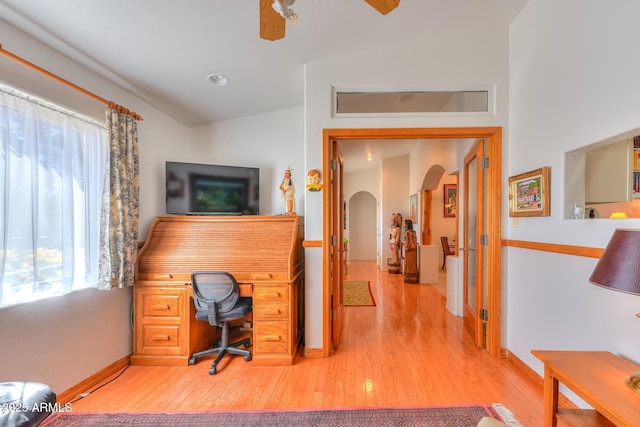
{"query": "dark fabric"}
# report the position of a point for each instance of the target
(25, 403)
(214, 287)
(451, 416)
(242, 308)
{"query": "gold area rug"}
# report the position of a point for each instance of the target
(358, 293)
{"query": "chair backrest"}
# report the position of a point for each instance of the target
(445, 245)
(214, 288)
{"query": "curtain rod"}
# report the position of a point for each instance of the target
(67, 83)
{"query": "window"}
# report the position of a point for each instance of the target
(53, 164)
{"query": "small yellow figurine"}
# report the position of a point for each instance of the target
(288, 191)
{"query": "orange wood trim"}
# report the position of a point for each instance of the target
(312, 243)
(584, 251)
(313, 352)
(67, 83)
(494, 136)
(94, 381)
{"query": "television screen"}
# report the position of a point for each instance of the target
(201, 189)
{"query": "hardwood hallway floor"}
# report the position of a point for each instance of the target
(407, 351)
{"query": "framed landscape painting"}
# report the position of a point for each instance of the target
(529, 193)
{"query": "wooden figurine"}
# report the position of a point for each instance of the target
(394, 243)
(410, 253)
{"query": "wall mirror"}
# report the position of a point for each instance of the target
(602, 180)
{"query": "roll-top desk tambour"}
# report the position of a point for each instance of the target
(264, 253)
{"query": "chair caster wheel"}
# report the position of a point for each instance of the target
(247, 358)
(192, 361)
(213, 370)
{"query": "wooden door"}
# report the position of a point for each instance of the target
(474, 283)
(337, 248)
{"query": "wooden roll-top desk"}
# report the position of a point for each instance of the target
(264, 253)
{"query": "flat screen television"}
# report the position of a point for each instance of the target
(202, 189)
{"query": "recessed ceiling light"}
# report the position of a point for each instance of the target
(217, 79)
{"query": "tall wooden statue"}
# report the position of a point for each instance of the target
(395, 230)
(410, 253)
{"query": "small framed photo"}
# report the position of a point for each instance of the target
(529, 193)
(450, 195)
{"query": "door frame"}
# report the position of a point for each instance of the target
(494, 213)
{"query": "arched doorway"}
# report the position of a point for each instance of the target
(362, 227)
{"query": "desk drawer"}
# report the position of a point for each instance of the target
(271, 337)
(277, 311)
(270, 294)
(160, 305)
(160, 339)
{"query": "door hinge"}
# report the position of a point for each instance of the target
(333, 315)
(484, 240)
(334, 164)
(484, 315)
(484, 163)
(334, 240)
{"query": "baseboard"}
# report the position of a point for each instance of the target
(95, 380)
(313, 352)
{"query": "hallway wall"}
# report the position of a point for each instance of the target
(362, 215)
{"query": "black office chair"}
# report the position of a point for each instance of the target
(216, 296)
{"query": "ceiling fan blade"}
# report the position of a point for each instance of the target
(384, 6)
(271, 23)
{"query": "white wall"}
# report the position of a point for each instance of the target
(395, 199)
(271, 141)
(62, 341)
(574, 81)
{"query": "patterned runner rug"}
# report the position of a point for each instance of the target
(358, 293)
(451, 416)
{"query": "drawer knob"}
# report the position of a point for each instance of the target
(271, 311)
(271, 338)
(161, 338)
(161, 306)
(272, 295)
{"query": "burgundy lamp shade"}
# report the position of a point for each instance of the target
(619, 265)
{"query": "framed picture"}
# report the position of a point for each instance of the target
(413, 207)
(529, 193)
(450, 201)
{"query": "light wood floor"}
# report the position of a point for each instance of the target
(407, 351)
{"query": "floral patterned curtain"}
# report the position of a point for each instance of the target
(119, 242)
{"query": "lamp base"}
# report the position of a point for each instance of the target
(634, 382)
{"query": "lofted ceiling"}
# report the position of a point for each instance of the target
(163, 50)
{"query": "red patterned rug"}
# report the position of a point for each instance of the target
(446, 416)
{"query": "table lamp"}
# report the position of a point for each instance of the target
(619, 269)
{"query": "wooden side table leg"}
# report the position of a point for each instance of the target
(550, 398)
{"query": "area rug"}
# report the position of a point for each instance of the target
(447, 416)
(357, 293)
